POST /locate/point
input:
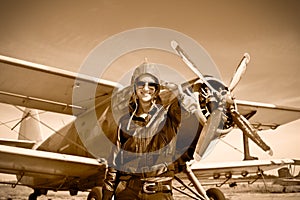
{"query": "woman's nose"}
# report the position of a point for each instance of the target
(146, 87)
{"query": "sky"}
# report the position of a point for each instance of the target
(62, 34)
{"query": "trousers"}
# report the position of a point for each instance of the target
(130, 194)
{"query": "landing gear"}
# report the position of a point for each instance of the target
(37, 193)
(212, 193)
(95, 194)
(73, 192)
(215, 194)
(33, 196)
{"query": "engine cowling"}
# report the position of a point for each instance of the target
(210, 101)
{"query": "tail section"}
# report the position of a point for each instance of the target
(30, 128)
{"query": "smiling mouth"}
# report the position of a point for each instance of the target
(146, 96)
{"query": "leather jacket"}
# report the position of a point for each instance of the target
(145, 147)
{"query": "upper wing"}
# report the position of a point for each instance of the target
(50, 170)
(237, 168)
(46, 88)
(267, 116)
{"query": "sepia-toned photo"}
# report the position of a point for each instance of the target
(149, 100)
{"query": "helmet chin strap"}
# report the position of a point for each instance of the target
(153, 101)
(133, 113)
(146, 109)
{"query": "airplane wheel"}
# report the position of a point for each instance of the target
(73, 192)
(215, 194)
(33, 196)
(95, 194)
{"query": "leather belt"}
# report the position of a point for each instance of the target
(149, 187)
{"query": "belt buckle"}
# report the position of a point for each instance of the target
(145, 189)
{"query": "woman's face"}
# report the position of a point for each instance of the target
(145, 89)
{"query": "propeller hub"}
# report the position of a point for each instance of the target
(220, 98)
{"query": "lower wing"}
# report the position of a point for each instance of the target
(51, 170)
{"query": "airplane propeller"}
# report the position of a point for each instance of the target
(226, 106)
(240, 70)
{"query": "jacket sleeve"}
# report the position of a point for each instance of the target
(175, 113)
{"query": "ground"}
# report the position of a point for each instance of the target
(240, 192)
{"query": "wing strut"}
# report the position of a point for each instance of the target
(186, 187)
(247, 155)
(18, 181)
(196, 183)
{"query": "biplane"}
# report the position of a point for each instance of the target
(64, 162)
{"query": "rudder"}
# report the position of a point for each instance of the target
(30, 128)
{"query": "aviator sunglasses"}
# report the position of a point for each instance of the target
(151, 85)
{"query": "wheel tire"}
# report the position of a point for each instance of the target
(215, 194)
(95, 194)
(73, 192)
(32, 196)
(35, 194)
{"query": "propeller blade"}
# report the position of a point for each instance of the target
(240, 70)
(190, 63)
(249, 131)
(209, 132)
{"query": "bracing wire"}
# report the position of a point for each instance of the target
(55, 131)
(235, 148)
